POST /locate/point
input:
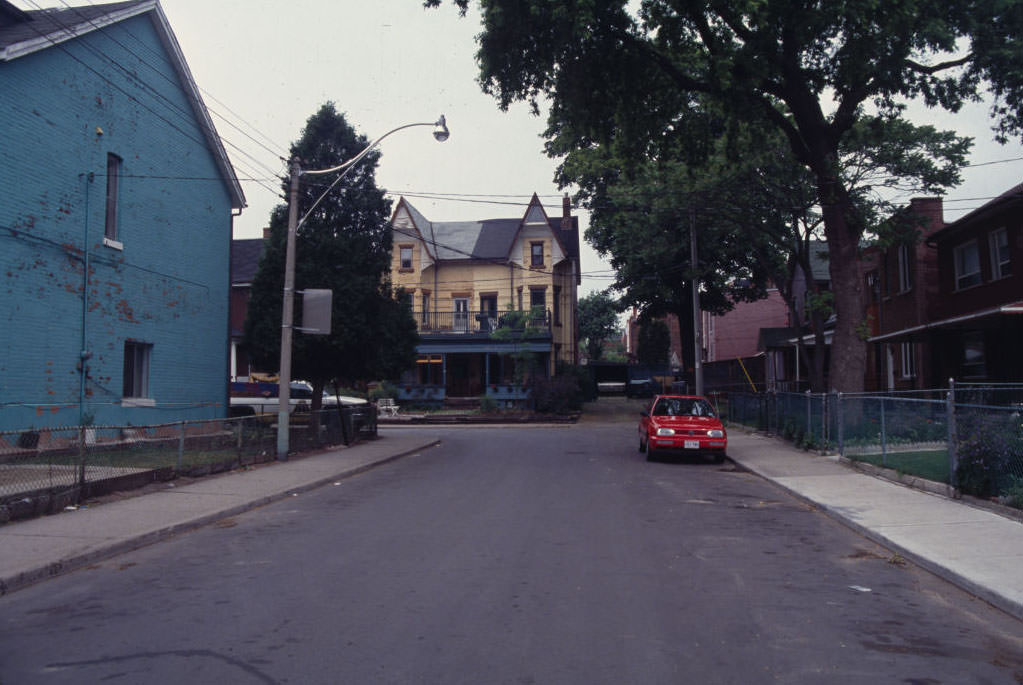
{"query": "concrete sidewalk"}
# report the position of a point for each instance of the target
(976, 549)
(36, 549)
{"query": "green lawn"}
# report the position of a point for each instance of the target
(929, 464)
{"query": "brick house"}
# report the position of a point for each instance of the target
(116, 223)
(974, 303)
(760, 333)
(900, 285)
(245, 256)
(466, 282)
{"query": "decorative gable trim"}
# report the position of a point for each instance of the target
(405, 213)
(536, 217)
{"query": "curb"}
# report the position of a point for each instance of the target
(992, 597)
(118, 547)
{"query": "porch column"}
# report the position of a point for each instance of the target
(486, 365)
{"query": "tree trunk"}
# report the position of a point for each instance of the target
(848, 350)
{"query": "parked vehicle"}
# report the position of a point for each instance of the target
(682, 424)
(248, 399)
(640, 387)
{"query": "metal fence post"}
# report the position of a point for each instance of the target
(841, 424)
(953, 437)
(809, 417)
(884, 437)
(82, 455)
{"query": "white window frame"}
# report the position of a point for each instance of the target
(137, 364)
(402, 250)
(974, 365)
(535, 263)
(1001, 265)
(905, 277)
(907, 360)
(461, 314)
(110, 228)
(965, 279)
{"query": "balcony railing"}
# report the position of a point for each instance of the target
(484, 322)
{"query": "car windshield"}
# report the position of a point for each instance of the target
(682, 406)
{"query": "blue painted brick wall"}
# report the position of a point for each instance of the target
(169, 286)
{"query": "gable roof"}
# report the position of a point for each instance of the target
(1007, 199)
(25, 32)
(486, 239)
(245, 255)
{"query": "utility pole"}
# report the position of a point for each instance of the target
(697, 336)
(287, 320)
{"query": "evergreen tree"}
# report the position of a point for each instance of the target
(344, 245)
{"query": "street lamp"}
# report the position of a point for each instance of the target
(441, 133)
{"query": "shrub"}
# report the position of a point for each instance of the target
(488, 405)
(583, 377)
(990, 454)
(384, 389)
(557, 395)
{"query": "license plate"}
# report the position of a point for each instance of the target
(692, 444)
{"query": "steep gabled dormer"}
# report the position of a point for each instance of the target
(536, 245)
(412, 229)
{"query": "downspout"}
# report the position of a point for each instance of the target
(83, 355)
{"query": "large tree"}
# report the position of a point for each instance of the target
(808, 69)
(343, 245)
(598, 321)
(641, 215)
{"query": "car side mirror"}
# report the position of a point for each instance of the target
(645, 413)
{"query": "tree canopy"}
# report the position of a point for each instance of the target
(344, 245)
(822, 75)
(598, 321)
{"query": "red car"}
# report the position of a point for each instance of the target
(683, 424)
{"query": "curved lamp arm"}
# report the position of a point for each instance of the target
(440, 132)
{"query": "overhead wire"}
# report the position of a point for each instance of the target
(162, 100)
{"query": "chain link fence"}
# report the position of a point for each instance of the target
(44, 470)
(968, 436)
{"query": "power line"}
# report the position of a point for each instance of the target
(171, 107)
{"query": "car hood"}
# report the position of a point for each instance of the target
(687, 422)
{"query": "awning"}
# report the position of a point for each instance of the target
(1013, 308)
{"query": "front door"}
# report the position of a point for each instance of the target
(458, 375)
(461, 322)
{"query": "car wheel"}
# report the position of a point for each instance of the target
(719, 457)
(642, 445)
(651, 454)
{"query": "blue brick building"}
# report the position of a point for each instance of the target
(115, 223)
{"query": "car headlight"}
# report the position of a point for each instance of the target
(666, 431)
(715, 433)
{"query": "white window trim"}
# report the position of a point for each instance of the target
(111, 221)
(411, 257)
(907, 360)
(997, 271)
(138, 402)
(956, 251)
(905, 280)
(146, 398)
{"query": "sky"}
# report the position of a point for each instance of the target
(264, 67)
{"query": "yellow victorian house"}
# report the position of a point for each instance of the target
(494, 299)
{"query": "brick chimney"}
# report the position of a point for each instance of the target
(932, 211)
(266, 233)
(566, 213)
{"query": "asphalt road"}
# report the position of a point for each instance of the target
(514, 555)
